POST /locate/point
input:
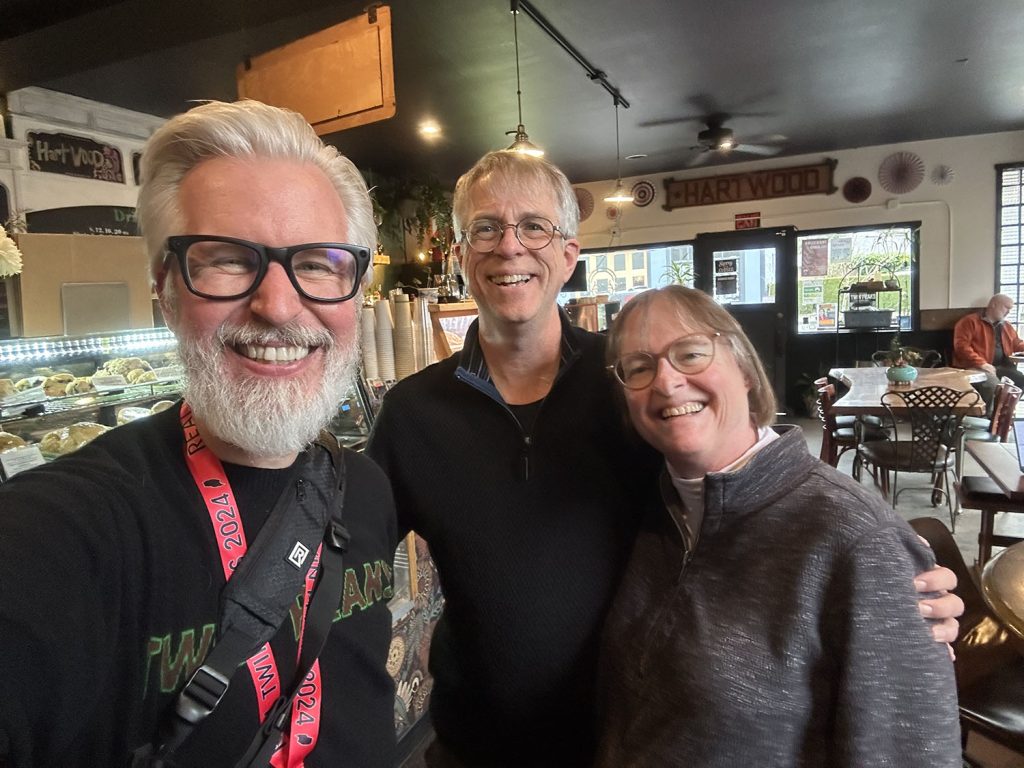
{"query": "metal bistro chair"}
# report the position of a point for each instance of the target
(839, 436)
(934, 415)
(982, 493)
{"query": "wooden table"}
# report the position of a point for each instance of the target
(999, 460)
(1002, 584)
(867, 385)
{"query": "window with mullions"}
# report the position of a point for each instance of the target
(623, 272)
(833, 264)
(1009, 235)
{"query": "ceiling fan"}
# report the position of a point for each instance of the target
(717, 139)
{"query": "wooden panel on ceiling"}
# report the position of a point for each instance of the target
(337, 78)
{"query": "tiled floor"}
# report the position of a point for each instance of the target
(917, 503)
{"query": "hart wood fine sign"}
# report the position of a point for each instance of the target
(756, 185)
(74, 156)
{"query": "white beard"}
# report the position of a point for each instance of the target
(264, 416)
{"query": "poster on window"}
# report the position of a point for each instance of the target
(841, 249)
(813, 291)
(814, 258)
(827, 315)
(809, 323)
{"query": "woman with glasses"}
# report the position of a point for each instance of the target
(767, 615)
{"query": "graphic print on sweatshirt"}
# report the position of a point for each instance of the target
(173, 657)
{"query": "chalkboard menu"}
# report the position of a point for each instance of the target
(83, 220)
(74, 156)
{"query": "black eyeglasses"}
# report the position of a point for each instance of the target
(687, 354)
(533, 232)
(224, 268)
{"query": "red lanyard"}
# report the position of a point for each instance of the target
(212, 482)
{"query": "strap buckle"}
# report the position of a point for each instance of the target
(201, 694)
(337, 536)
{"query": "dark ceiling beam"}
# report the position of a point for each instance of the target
(595, 74)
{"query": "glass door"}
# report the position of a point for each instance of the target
(742, 271)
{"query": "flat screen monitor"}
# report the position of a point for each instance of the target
(578, 280)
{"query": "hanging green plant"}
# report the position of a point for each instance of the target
(432, 217)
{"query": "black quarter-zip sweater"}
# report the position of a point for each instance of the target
(530, 531)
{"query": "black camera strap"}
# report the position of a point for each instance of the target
(257, 600)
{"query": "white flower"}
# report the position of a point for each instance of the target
(10, 256)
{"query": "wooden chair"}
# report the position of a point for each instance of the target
(989, 666)
(934, 415)
(982, 493)
(840, 436)
(983, 427)
(845, 421)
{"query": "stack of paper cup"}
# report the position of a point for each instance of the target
(368, 344)
(405, 351)
(426, 333)
(383, 336)
(417, 347)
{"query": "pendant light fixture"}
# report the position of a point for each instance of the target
(521, 142)
(620, 194)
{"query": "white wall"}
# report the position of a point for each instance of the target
(958, 219)
(37, 109)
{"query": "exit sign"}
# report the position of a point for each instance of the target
(748, 220)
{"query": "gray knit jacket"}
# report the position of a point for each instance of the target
(789, 636)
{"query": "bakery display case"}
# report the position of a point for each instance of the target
(59, 392)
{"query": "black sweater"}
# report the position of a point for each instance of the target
(529, 533)
(110, 585)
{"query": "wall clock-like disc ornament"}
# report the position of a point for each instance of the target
(585, 201)
(643, 194)
(942, 175)
(857, 189)
(901, 172)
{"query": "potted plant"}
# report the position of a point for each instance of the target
(678, 273)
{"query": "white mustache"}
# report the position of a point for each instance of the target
(287, 335)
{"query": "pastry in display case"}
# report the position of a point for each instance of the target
(58, 442)
(60, 392)
(9, 441)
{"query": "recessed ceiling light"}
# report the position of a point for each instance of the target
(429, 129)
(639, 156)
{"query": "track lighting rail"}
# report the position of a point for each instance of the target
(593, 72)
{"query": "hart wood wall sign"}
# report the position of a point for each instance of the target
(755, 185)
(74, 156)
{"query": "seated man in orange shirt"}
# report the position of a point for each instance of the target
(985, 340)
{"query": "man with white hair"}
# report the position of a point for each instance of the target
(116, 561)
(986, 340)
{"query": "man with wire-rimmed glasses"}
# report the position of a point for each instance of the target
(510, 460)
(125, 638)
